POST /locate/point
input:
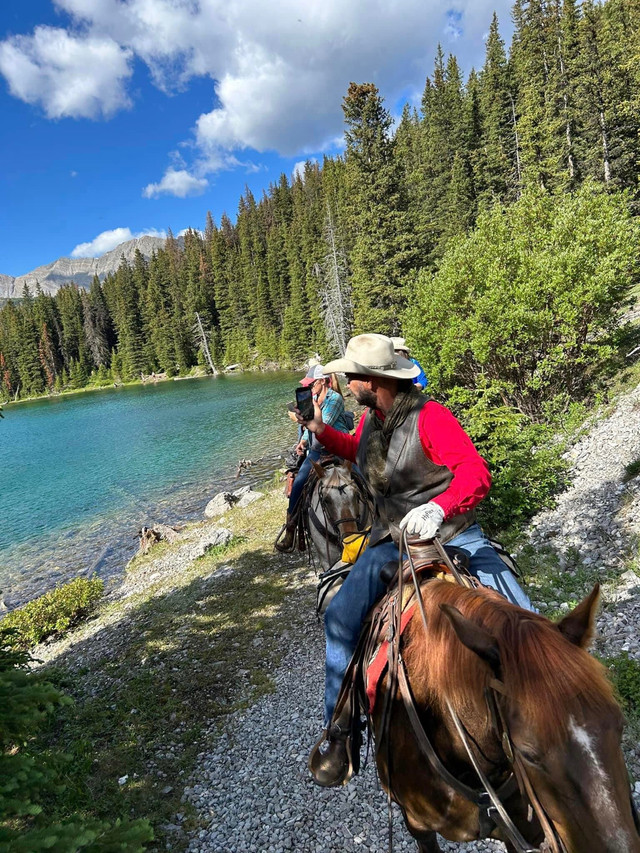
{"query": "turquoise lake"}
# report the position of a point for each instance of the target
(83, 473)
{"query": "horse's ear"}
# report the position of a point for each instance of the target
(475, 638)
(319, 469)
(579, 625)
(348, 464)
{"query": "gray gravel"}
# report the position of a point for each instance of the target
(253, 790)
(251, 787)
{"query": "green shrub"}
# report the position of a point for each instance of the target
(528, 304)
(625, 672)
(52, 613)
(29, 777)
(525, 460)
(631, 471)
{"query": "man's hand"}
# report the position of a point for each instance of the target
(317, 425)
(301, 447)
(423, 521)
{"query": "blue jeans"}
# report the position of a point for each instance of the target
(301, 478)
(363, 587)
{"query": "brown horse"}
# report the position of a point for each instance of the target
(527, 695)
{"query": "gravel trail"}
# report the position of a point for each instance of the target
(252, 789)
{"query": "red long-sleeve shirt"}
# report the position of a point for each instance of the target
(445, 443)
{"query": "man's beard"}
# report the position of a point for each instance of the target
(366, 397)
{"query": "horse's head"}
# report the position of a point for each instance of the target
(562, 719)
(343, 497)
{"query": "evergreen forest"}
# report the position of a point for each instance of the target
(545, 134)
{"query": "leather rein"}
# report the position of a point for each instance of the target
(488, 800)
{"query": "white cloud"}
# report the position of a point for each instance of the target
(108, 240)
(66, 74)
(178, 182)
(279, 70)
(298, 169)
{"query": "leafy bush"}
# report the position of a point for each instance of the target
(631, 470)
(625, 672)
(27, 778)
(525, 459)
(51, 613)
(528, 304)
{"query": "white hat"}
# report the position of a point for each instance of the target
(373, 355)
(400, 343)
(313, 374)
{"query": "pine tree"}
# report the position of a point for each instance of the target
(97, 326)
(496, 166)
(335, 287)
(382, 251)
(538, 122)
(47, 358)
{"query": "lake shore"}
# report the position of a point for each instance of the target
(89, 471)
(198, 686)
(152, 379)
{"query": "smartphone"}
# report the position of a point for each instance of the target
(304, 402)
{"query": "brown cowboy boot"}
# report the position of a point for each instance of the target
(336, 756)
(285, 543)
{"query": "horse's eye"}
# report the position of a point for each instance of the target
(529, 754)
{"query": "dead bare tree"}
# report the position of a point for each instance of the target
(202, 344)
(335, 288)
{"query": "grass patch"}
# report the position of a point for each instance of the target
(52, 613)
(625, 674)
(166, 670)
(216, 551)
(631, 471)
(557, 585)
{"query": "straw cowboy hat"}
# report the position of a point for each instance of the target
(373, 355)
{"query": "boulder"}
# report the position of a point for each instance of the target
(214, 538)
(220, 504)
(223, 501)
(249, 497)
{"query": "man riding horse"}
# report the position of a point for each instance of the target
(426, 477)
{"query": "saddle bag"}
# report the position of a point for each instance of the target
(329, 583)
(288, 485)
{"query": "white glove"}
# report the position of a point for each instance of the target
(423, 521)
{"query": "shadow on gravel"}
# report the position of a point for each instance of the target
(151, 688)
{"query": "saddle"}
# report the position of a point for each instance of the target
(426, 561)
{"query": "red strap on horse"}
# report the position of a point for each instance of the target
(379, 662)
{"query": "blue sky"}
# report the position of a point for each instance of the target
(123, 117)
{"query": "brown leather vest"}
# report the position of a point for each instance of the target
(410, 479)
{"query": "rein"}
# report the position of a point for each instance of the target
(488, 800)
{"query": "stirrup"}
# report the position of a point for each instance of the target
(332, 766)
(285, 549)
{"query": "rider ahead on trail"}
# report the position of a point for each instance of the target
(426, 477)
(333, 411)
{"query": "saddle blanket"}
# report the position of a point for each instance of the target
(380, 659)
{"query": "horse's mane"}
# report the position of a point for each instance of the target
(336, 474)
(544, 674)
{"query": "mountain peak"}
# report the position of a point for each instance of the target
(53, 276)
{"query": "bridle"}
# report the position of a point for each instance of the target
(488, 800)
